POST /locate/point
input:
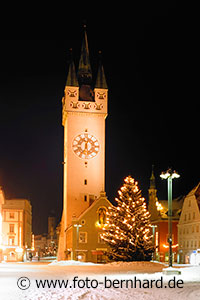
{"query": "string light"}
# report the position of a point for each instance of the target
(127, 225)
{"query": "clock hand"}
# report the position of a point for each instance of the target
(86, 147)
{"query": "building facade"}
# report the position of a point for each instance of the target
(159, 219)
(83, 117)
(16, 229)
(47, 244)
(189, 226)
(84, 234)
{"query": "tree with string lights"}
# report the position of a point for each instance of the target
(127, 229)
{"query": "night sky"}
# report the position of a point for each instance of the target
(149, 58)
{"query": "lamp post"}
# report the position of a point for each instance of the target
(154, 231)
(169, 175)
(77, 237)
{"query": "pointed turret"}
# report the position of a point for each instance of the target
(84, 68)
(152, 179)
(71, 77)
(101, 79)
(153, 197)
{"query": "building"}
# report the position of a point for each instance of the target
(84, 234)
(83, 117)
(16, 228)
(189, 226)
(159, 219)
(47, 244)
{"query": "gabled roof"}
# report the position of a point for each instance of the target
(102, 198)
(195, 192)
(96, 202)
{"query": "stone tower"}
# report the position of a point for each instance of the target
(83, 118)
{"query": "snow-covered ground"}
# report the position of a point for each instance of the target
(189, 281)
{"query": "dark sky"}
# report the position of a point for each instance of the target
(150, 62)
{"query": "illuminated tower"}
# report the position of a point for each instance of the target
(153, 197)
(83, 117)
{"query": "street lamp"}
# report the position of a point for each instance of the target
(169, 175)
(77, 237)
(154, 231)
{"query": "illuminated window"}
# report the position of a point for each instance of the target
(82, 237)
(12, 228)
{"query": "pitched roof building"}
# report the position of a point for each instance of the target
(84, 233)
(189, 225)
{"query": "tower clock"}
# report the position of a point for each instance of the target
(83, 118)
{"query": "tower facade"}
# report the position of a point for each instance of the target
(153, 197)
(83, 117)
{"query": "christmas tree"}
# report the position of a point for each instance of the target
(128, 229)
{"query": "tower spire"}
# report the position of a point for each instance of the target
(84, 68)
(152, 179)
(101, 79)
(71, 76)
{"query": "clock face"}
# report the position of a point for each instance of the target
(85, 146)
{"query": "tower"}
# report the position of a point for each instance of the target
(83, 117)
(153, 197)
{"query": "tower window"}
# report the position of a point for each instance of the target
(12, 215)
(85, 181)
(85, 198)
(12, 226)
